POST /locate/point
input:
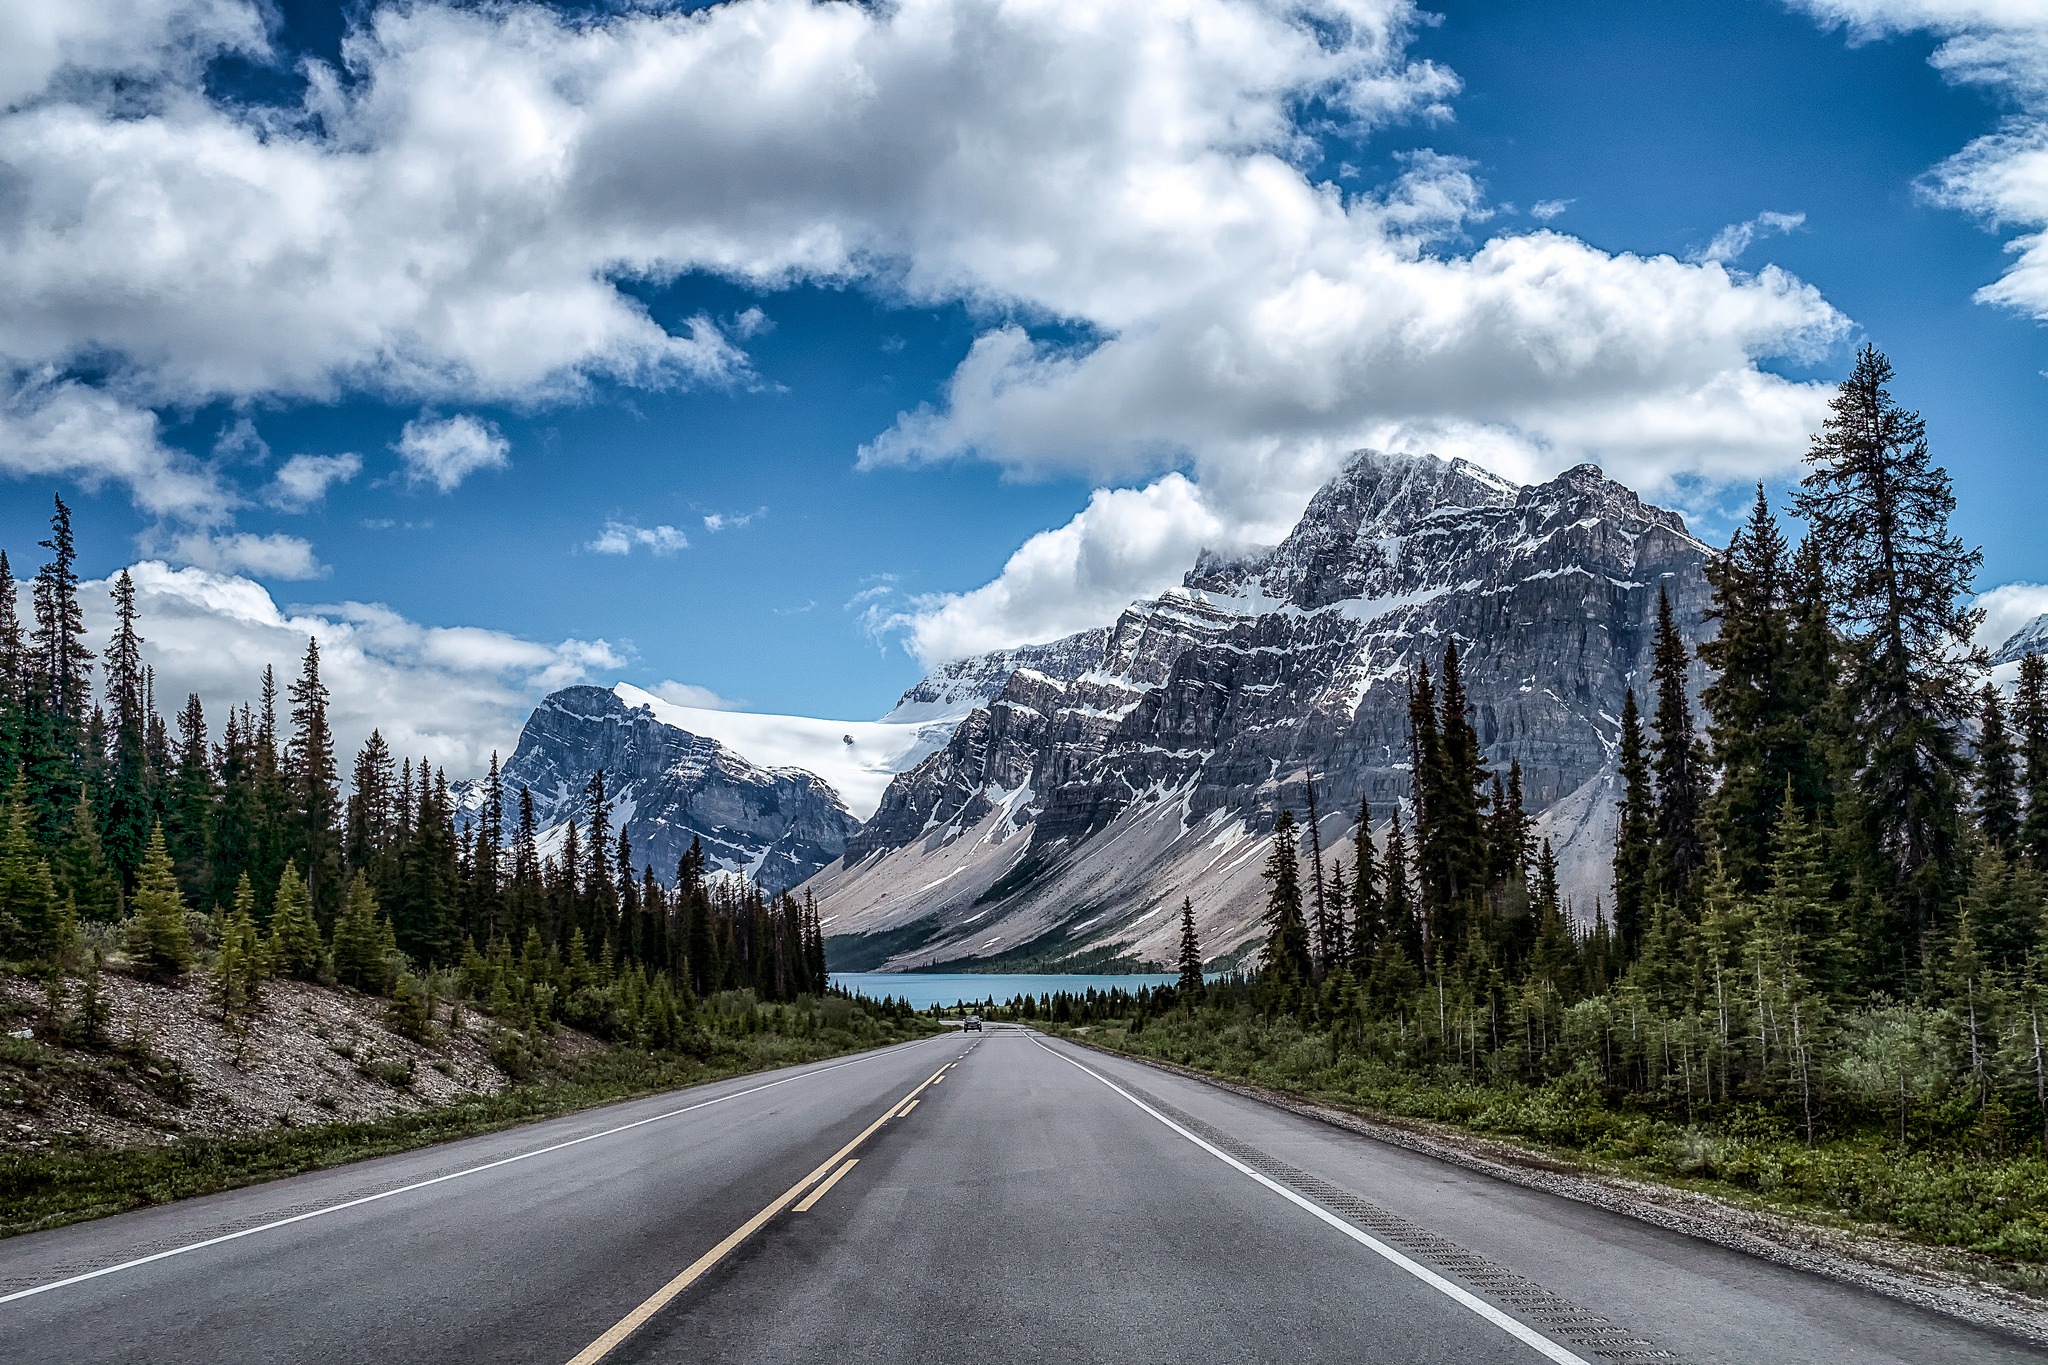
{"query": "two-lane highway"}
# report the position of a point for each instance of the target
(990, 1198)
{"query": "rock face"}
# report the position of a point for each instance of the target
(668, 786)
(1131, 766)
(2032, 638)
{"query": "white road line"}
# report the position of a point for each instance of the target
(423, 1184)
(1519, 1330)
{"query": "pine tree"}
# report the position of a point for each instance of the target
(314, 794)
(63, 665)
(1287, 957)
(189, 807)
(1680, 764)
(1404, 924)
(360, 941)
(29, 897)
(1635, 834)
(82, 870)
(238, 972)
(371, 822)
(14, 672)
(129, 809)
(1368, 907)
(2030, 715)
(157, 940)
(1190, 984)
(1998, 781)
(295, 947)
(1329, 922)
(1899, 583)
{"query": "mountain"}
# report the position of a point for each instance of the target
(2032, 638)
(668, 786)
(1121, 769)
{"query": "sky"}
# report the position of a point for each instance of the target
(766, 354)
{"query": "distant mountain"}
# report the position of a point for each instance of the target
(1109, 774)
(2032, 638)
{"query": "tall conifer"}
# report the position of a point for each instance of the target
(1998, 779)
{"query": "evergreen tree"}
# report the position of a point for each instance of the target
(14, 672)
(189, 808)
(1998, 780)
(1329, 919)
(1680, 764)
(29, 898)
(1899, 584)
(1368, 907)
(82, 870)
(1190, 984)
(239, 971)
(372, 836)
(1287, 956)
(1404, 923)
(128, 810)
(2031, 716)
(1635, 834)
(314, 793)
(361, 941)
(157, 939)
(62, 663)
(295, 947)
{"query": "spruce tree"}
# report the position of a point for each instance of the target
(1329, 921)
(313, 818)
(129, 809)
(1635, 834)
(157, 940)
(189, 807)
(1998, 780)
(1368, 906)
(360, 941)
(1680, 764)
(295, 948)
(82, 869)
(1899, 585)
(62, 663)
(2030, 715)
(1190, 984)
(1404, 921)
(29, 897)
(1287, 956)
(14, 671)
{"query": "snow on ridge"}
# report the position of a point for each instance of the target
(859, 771)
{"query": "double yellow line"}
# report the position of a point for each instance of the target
(626, 1326)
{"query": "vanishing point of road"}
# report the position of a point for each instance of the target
(965, 1200)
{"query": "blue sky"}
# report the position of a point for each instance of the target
(721, 323)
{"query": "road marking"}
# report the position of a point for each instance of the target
(910, 1106)
(1521, 1331)
(815, 1195)
(632, 1322)
(420, 1185)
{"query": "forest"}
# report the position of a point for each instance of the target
(1822, 968)
(239, 859)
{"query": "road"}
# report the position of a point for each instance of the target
(1037, 1203)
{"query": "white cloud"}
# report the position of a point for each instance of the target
(752, 323)
(304, 479)
(1064, 580)
(1731, 241)
(455, 221)
(1543, 210)
(449, 694)
(732, 521)
(2001, 177)
(622, 538)
(2007, 609)
(446, 451)
(689, 694)
(140, 37)
(63, 429)
(272, 556)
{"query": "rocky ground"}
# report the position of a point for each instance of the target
(171, 1068)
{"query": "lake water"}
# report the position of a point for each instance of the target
(925, 989)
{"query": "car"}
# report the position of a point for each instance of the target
(973, 1021)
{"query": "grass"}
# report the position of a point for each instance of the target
(1959, 1183)
(60, 1185)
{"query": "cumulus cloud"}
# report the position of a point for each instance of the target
(458, 219)
(63, 429)
(304, 479)
(689, 694)
(1731, 241)
(444, 452)
(452, 694)
(2007, 610)
(2001, 177)
(622, 538)
(272, 556)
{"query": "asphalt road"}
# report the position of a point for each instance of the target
(1038, 1203)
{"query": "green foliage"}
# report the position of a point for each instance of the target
(362, 943)
(295, 948)
(31, 913)
(158, 942)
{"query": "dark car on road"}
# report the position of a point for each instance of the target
(973, 1022)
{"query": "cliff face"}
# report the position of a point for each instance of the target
(668, 786)
(1081, 802)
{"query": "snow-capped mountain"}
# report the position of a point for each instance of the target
(1110, 774)
(752, 787)
(2032, 638)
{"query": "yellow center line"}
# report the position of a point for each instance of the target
(910, 1106)
(815, 1195)
(626, 1326)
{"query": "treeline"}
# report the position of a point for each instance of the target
(158, 841)
(1828, 889)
